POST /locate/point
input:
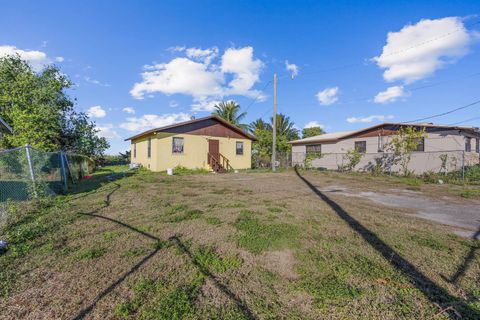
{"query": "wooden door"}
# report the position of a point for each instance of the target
(213, 148)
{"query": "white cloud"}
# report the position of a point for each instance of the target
(149, 121)
(129, 110)
(94, 81)
(37, 59)
(195, 75)
(173, 104)
(59, 59)
(369, 119)
(96, 112)
(107, 131)
(205, 55)
(204, 105)
(313, 124)
(328, 96)
(291, 67)
(181, 75)
(245, 70)
(392, 94)
(417, 51)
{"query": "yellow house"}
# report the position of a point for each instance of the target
(206, 143)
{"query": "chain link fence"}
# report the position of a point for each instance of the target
(383, 162)
(26, 173)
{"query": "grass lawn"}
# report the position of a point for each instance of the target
(235, 246)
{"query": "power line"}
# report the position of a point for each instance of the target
(463, 121)
(444, 113)
(258, 95)
(390, 54)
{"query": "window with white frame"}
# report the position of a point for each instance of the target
(239, 148)
(177, 145)
(361, 146)
(314, 148)
(468, 144)
(421, 145)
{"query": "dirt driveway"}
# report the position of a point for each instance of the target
(464, 217)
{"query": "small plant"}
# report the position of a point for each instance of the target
(213, 221)
(444, 159)
(92, 253)
(309, 157)
(406, 140)
(353, 158)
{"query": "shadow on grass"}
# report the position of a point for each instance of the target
(175, 240)
(454, 307)
(241, 305)
(467, 261)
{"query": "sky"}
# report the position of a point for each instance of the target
(341, 65)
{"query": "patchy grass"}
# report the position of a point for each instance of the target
(257, 236)
(471, 193)
(201, 246)
(92, 253)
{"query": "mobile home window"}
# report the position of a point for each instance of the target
(134, 150)
(239, 148)
(421, 145)
(177, 145)
(361, 146)
(149, 148)
(314, 148)
(477, 145)
(468, 144)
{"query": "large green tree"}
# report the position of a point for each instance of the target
(262, 130)
(41, 113)
(312, 132)
(230, 111)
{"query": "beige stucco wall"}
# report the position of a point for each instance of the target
(194, 155)
(450, 143)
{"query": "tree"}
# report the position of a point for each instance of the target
(311, 132)
(285, 127)
(406, 140)
(41, 113)
(230, 111)
(81, 136)
(262, 148)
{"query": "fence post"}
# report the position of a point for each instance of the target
(63, 171)
(30, 167)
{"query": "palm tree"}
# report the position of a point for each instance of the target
(259, 125)
(230, 111)
(285, 127)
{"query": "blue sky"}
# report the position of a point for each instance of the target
(138, 64)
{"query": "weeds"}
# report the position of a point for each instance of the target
(256, 236)
(92, 253)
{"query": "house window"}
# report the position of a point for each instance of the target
(149, 148)
(314, 148)
(477, 145)
(421, 145)
(361, 146)
(177, 145)
(468, 144)
(239, 148)
(134, 150)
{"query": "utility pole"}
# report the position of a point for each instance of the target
(274, 133)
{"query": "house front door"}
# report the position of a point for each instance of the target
(213, 148)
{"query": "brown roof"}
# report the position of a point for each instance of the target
(333, 137)
(212, 117)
